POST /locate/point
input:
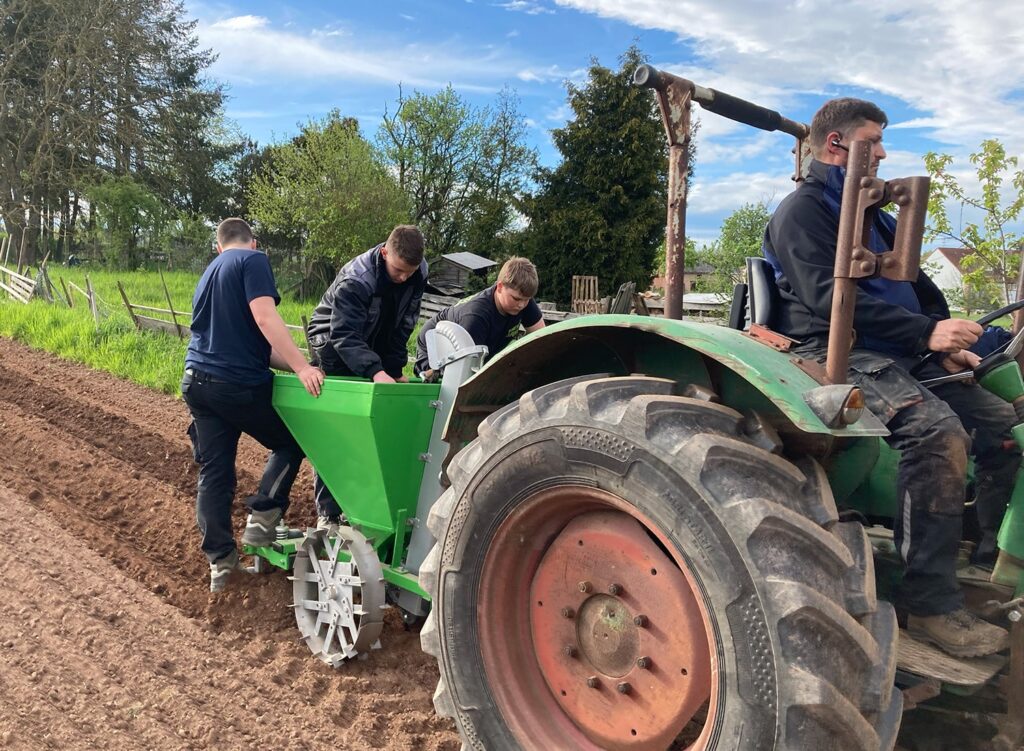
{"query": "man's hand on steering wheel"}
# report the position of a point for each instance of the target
(962, 360)
(954, 334)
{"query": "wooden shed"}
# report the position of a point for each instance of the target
(451, 272)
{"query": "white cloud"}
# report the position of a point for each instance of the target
(530, 7)
(250, 49)
(551, 73)
(240, 23)
(955, 61)
(726, 193)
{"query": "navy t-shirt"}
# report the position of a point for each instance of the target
(226, 342)
(479, 315)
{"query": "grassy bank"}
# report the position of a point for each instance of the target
(153, 360)
(150, 359)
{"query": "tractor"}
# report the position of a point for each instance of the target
(627, 532)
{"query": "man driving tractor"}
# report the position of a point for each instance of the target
(896, 325)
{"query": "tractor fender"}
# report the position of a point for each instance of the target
(745, 374)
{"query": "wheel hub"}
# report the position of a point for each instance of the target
(618, 634)
(607, 636)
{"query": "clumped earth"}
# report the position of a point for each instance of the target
(109, 637)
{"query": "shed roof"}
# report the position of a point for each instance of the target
(470, 261)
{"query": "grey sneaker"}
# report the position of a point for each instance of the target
(259, 527)
(329, 523)
(220, 571)
(960, 633)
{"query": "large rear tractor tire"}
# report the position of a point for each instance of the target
(618, 567)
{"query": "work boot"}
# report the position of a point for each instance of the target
(960, 633)
(1008, 569)
(220, 571)
(328, 523)
(259, 527)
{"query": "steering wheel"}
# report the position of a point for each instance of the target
(994, 358)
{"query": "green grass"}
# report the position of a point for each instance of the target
(151, 359)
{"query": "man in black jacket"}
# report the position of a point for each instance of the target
(365, 318)
(895, 324)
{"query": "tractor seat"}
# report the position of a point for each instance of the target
(756, 301)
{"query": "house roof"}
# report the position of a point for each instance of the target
(470, 261)
(955, 255)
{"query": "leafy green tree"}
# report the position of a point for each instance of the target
(327, 189)
(741, 236)
(462, 168)
(995, 262)
(97, 88)
(602, 210)
(128, 220)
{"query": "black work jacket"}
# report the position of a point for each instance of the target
(345, 330)
(800, 243)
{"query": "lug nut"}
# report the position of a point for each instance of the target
(569, 651)
(624, 688)
(585, 587)
(592, 682)
(643, 662)
(641, 621)
(568, 612)
(614, 589)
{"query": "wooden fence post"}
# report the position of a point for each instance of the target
(170, 305)
(92, 300)
(128, 305)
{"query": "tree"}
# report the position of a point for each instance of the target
(90, 89)
(462, 168)
(602, 210)
(126, 218)
(328, 190)
(741, 236)
(995, 262)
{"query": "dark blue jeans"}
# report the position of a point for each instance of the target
(221, 412)
(936, 430)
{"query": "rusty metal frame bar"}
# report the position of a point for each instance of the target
(675, 96)
(863, 195)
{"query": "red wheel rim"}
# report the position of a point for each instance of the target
(591, 633)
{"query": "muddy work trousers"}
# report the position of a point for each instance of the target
(936, 430)
(221, 412)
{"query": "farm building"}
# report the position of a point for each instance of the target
(451, 272)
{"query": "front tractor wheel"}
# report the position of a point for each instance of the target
(621, 568)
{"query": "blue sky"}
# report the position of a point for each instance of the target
(949, 73)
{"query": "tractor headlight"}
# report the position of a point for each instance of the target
(837, 406)
(853, 408)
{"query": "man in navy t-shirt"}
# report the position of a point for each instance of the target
(237, 334)
(491, 317)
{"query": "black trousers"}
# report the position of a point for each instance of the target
(221, 412)
(936, 430)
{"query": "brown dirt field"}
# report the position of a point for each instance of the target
(109, 637)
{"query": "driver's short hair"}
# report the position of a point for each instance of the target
(843, 115)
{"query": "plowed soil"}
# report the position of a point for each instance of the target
(109, 638)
